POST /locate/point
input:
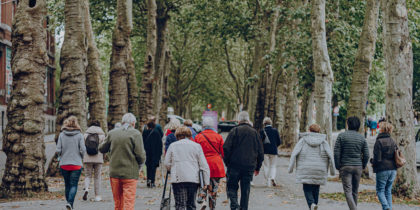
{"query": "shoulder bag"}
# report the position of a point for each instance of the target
(212, 145)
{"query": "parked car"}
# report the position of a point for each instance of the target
(226, 126)
(195, 126)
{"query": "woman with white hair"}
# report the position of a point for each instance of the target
(271, 140)
(170, 129)
(212, 144)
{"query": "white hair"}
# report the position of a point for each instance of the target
(128, 120)
(267, 121)
(173, 124)
(243, 117)
(208, 122)
(117, 125)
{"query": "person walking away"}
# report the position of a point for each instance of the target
(70, 150)
(158, 127)
(244, 155)
(153, 146)
(189, 124)
(384, 165)
(312, 157)
(271, 140)
(373, 127)
(351, 155)
(93, 159)
(185, 159)
(125, 145)
(212, 145)
(170, 132)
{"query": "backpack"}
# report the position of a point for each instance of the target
(92, 144)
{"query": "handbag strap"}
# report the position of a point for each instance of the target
(211, 144)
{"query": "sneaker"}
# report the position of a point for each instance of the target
(149, 183)
(98, 198)
(85, 195)
(68, 207)
(273, 182)
(203, 205)
(314, 207)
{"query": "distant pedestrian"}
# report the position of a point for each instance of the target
(127, 154)
(351, 155)
(244, 155)
(271, 140)
(170, 132)
(384, 165)
(185, 159)
(153, 146)
(71, 149)
(158, 128)
(312, 157)
(373, 127)
(189, 124)
(212, 145)
(93, 159)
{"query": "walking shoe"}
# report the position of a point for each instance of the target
(273, 182)
(203, 205)
(98, 198)
(314, 207)
(149, 183)
(68, 207)
(85, 195)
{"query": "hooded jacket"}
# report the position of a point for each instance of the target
(312, 156)
(98, 158)
(70, 147)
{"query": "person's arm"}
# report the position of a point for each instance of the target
(168, 159)
(337, 153)
(104, 147)
(204, 166)
(82, 147)
(377, 154)
(330, 158)
(278, 139)
(227, 146)
(295, 153)
(221, 146)
(365, 154)
(138, 149)
(59, 147)
(260, 156)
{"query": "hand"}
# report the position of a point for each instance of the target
(256, 173)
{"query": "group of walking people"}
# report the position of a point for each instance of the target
(195, 159)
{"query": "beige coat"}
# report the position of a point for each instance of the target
(99, 158)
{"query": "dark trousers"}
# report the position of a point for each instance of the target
(185, 194)
(311, 193)
(234, 176)
(151, 173)
(350, 177)
(71, 179)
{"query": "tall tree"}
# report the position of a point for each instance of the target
(322, 68)
(120, 75)
(147, 86)
(24, 139)
(94, 86)
(73, 61)
(363, 64)
(399, 110)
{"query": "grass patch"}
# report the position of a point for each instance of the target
(35, 196)
(362, 181)
(369, 196)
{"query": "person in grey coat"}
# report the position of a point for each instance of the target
(312, 157)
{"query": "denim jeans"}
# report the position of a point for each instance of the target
(234, 176)
(384, 180)
(71, 179)
(311, 193)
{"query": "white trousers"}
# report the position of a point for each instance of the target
(270, 167)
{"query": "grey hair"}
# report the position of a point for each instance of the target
(243, 117)
(128, 119)
(173, 124)
(208, 122)
(117, 125)
(267, 121)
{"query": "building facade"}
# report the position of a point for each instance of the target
(7, 11)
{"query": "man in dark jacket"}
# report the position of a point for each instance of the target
(271, 140)
(243, 157)
(351, 155)
(153, 146)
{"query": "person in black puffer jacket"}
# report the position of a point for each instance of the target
(384, 165)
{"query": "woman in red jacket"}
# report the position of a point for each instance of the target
(212, 144)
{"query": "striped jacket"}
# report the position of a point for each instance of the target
(351, 149)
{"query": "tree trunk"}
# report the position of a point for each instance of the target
(306, 102)
(399, 109)
(147, 86)
(363, 64)
(23, 140)
(132, 88)
(94, 86)
(119, 72)
(290, 129)
(165, 92)
(322, 68)
(281, 103)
